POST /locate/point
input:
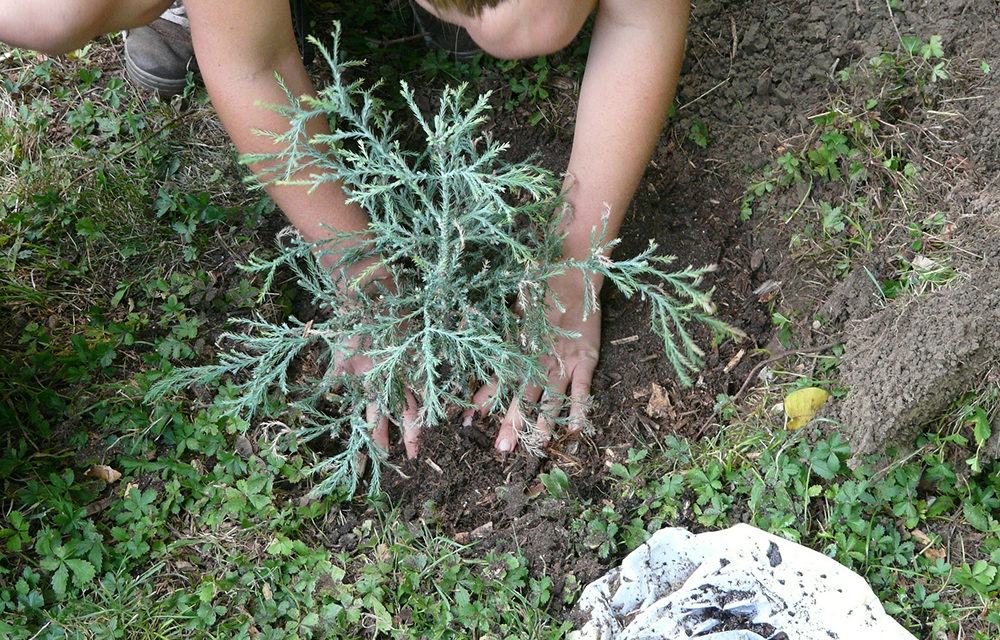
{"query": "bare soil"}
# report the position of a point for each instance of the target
(754, 73)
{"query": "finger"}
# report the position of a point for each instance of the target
(380, 433)
(579, 403)
(411, 425)
(552, 403)
(513, 422)
(483, 399)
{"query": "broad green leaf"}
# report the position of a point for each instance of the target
(59, 579)
(976, 517)
(981, 426)
(83, 571)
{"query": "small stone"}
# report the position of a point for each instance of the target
(764, 86)
(242, 447)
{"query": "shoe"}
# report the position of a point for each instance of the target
(444, 35)
(160, 55)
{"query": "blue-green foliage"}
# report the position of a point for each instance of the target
(468, 241)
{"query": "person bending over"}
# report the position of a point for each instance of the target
(628, 85)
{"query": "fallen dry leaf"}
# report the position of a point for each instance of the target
(802, 405)
(482, 531)
(659, 405)
(104, 472)
(933, 553)
(639, 394)
(921, 537)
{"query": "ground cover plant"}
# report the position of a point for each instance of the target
(122, 220)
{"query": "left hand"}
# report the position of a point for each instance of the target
(570, 368)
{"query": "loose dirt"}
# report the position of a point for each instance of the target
(754, 74)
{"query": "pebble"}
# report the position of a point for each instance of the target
(242, 447)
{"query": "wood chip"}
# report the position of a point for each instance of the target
(735, 360)
(434, 465)
(627, 340)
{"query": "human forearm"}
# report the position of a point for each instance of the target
(241, 86)
(632, 71)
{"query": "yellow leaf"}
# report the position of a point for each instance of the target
(802, 405)
(104, 472)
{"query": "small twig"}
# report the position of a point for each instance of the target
(403, 40)
(753, 374)
(801, 202)
(44, 627)
(735, 47)
(130, 149)
(892, 19)
(688, 104)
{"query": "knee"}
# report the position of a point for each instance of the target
(60, 27)
(59, 39)
(546, 30)
(59, 31)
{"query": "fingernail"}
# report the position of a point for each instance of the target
(505, 445)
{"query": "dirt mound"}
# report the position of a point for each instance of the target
(755, 74)
(908, 363)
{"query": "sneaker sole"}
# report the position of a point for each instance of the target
(165, 87)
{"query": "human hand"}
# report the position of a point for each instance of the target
(353, 362)
(358, 365)
(570, 367)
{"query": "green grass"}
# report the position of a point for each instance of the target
(920, 525)
(116, 263)
(917, 527)
(860, 169)
(120, 223)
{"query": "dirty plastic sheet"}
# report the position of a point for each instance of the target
(738, 584)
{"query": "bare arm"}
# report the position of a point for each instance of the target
(240, 45)
(632, 70)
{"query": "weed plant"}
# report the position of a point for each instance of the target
(860, 167)
(470, 242)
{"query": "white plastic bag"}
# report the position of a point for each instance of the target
(738, 584)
